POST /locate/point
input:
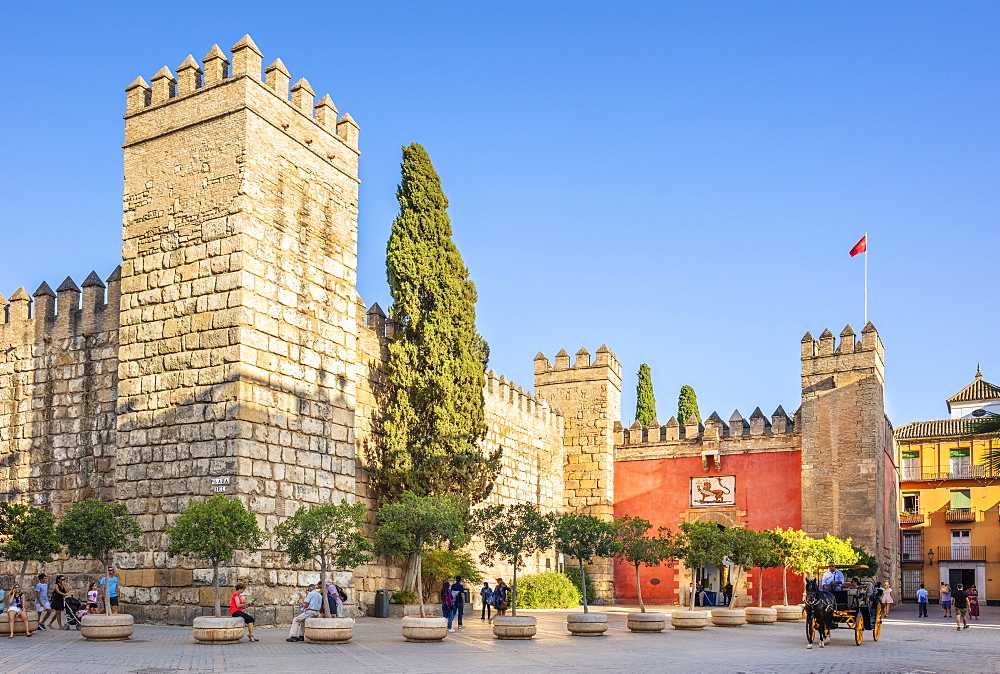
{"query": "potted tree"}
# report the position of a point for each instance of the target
(326, 534)
(768, 554)
(510, 533)
(637, 548)
(95, 529)
(796, 556)
(30, 536)
(697, 544)
(585, 537)
(738, 546)
(409, 528)
(213, 530)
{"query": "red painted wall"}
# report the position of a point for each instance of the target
(768, 488)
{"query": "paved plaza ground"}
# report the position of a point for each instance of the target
(907, 645)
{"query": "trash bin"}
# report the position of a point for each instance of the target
(382, 603)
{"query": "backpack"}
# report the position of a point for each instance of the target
(447, 600)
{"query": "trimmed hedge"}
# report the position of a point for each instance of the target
(547, 590)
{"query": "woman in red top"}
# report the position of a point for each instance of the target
(236, 606)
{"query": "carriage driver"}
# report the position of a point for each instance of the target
(833, 579)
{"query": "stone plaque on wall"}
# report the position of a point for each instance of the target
(714, 490)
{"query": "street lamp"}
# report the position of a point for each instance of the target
(930, 556)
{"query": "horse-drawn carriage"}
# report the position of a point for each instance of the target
(857, 607)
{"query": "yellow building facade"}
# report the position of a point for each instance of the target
(950, 510)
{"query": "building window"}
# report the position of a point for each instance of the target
(911, 582)
(961, 499)
(911, 502)
(912, 546)
(911, 464)
(960, 459)
(960, 543)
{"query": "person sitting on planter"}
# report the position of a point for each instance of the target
(447, 603)
(236, 605)
(486, 595)
(311, 609)
(16, 608)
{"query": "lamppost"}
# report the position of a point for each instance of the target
(930, 556)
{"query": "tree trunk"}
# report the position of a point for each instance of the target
(411, 572)
(760, 587)
(20, 581)
(420, 580)
(784, 583)
(107, 586)
(513, 591)
(694, 586)
(583, 585)
(215, 586)
(736, 587)
(324, 612)
(638, 589)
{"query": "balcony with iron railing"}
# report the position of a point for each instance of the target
(912, 517)
(961, 553)
(960, 515)
(961, 473)
(911, 556)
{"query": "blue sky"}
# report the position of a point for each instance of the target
(681, 181)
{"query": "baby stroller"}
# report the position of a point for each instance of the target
(73, 611)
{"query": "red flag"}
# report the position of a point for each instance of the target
(861, 246)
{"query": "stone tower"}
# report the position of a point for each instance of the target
(848, 467)
(238, 328)
(590, 398)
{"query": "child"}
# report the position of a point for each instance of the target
(91, 597)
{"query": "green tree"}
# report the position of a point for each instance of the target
(645, 402)
(637, 547)
(29, 535)
(687, 405)
(438, 565)
(741, 547)
(329, 533)
(213, 530)
(94, 529)
(437, 362)
(584, 537)
(698, 544)
(416, 524)
(769, 553)
(865, 559)
(796, 555)
(833, 549)
(512, 532)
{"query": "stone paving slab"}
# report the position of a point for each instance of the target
(907, 645)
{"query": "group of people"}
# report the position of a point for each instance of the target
(494, 599)
(50, 606)
(959, 603)
(311, 607)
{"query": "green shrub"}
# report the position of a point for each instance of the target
(547, 590)
(573, 573)
(440, 565)
(404, 597)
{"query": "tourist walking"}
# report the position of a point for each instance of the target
(236, 605)
(59, 593)
(500, 593)
(973, 595)
(922, 601)
(15, 608)
(961, 601)
(946, 600)
(310, 609)
(111, 580)
(458, 590)
(447, 600)
(42, 604)
(486, 596)
(886, 599)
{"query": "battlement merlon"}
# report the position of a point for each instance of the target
(60, 313)
(823, 357)
(605, 366)
(198, 90)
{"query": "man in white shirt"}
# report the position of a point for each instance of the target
(833, 579)
(922, 602)
(313, 605)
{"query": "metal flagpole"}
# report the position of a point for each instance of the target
(866, 278)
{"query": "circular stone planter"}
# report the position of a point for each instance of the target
(514, 627)
(329, 630)
(728, 617)
(647, 622)
(689, 620)
(18, 623)
(424, 630)
(587, 624)
(761, 616)
(209, 630)
(97, 627)
(788, 613)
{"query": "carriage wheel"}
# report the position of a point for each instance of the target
(859, 629)
(810, 629)
(877, 622)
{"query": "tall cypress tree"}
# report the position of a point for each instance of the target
(437, 362)
(645, 402)
(687, 404)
